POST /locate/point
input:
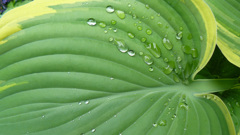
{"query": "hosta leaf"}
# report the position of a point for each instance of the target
(227, 14)
(109, 67)
(232, 100)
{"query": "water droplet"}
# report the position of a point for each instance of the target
(163, 123)
(185, 129)
(151, 69)
(87, 102)
(129, 5)
(110, 39)
(154, 49)
(149, 32)
(147, 6)
(165, 59)
(183, 106)
(111, 78)
(187, 49)
(140, 53)
(166, 26)
(120, 14)
(131, 53)
(174, 116)
(143, 39)
(152, 17)
(179, 35)
(168, 70)
(237, 104)
(194, 53)
(181, 28)
(154, 125)
(122, 47)
(160, 24)
(148, 59)
(93, 130)
(139, 28)
(105, 31)
(179, 59)
(134, 16)
(176, 79)
(43, 116)
(131, 35)
(201, 38)
(102, 24)
(167, 44)
(79, 103)
(113, 22)
(110, 9)
(190, 36)
(115, 30)
(91, 22)
(115, 116)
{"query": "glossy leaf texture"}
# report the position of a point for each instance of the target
(109, 67)
(227, 14)
(232, 100)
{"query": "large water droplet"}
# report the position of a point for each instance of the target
(183, 106)
(167, 44)
(179, 35)
(163, 123)
(91, 22)
(110, 9)
(171, 65)
(154, 49)
(149, 32)
(131, 35)
(187, 49)
(131, 53)
(102, 24)
(176, 79)
(154, 125)
(148, 59)
(143, 39)
(194, 53)
(139, 28)
(122, 47)
(120, 14)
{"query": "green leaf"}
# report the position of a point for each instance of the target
(227, 14)
(232, 99)
(109, 67)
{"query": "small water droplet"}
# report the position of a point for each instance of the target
(140, 53)
(151, 69)
(167, 26)
(131, 53)
(167, 44)
(183, 106)
(134, 16)
(130, 35)
(143, 39)
(174, 116)
(148, 59)
(111, 78)
(115, 116)
(168, 70)
(185, 129)
(115, 30)
(129, 5)
(181, 28)
(152, 17)
(154, 49)
(163, 123)
(110, 9)
(120, 14)
(102, 24)
(110, 39)
(190, 36)
(165, 59)
(160, 24)
(93, 130)
(179, 35)
(179, 59)
(139, 28)
(154, 125)
(122, 47)
(91, 22)
(194, 53)
(237, 104)
(176, 79)
(105, 31)
(113, 22)
(147, 6)
(87, 102)
(79, 103)
(149, 32)
(201, 38)
(187, 49)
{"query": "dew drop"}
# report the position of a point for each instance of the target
(134, 16)
(179, 35)
(194, 53)
(139, 28)
(190, 36)
(105, 31)
(140, 53)
(122, 47)
(154, 49)
(93, 130)
(176, 79)
(43, 116)
(152, 17)
(87, 102)
(115, 30)
(131, 35)
(163, 123)
(237, 104)
(91, 22)
(185, 129)
(110, 9)
(149, 32)
(129, 5)
(151, 69)
(143, 39)
(154, 125)
(113, 22)
(131, 53)
(102, 24)
(174, 116)
(179, 59)
(147, 6)
(148, 59)
(187, 49)
(201, 38)
(120, 14)
(167, 44)
(110, 39)
(160, 24)
(165, 59)
(181, 28)
(79, 103)
(168, 70)
(183, 106)
(115, 116)
(111, 78)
